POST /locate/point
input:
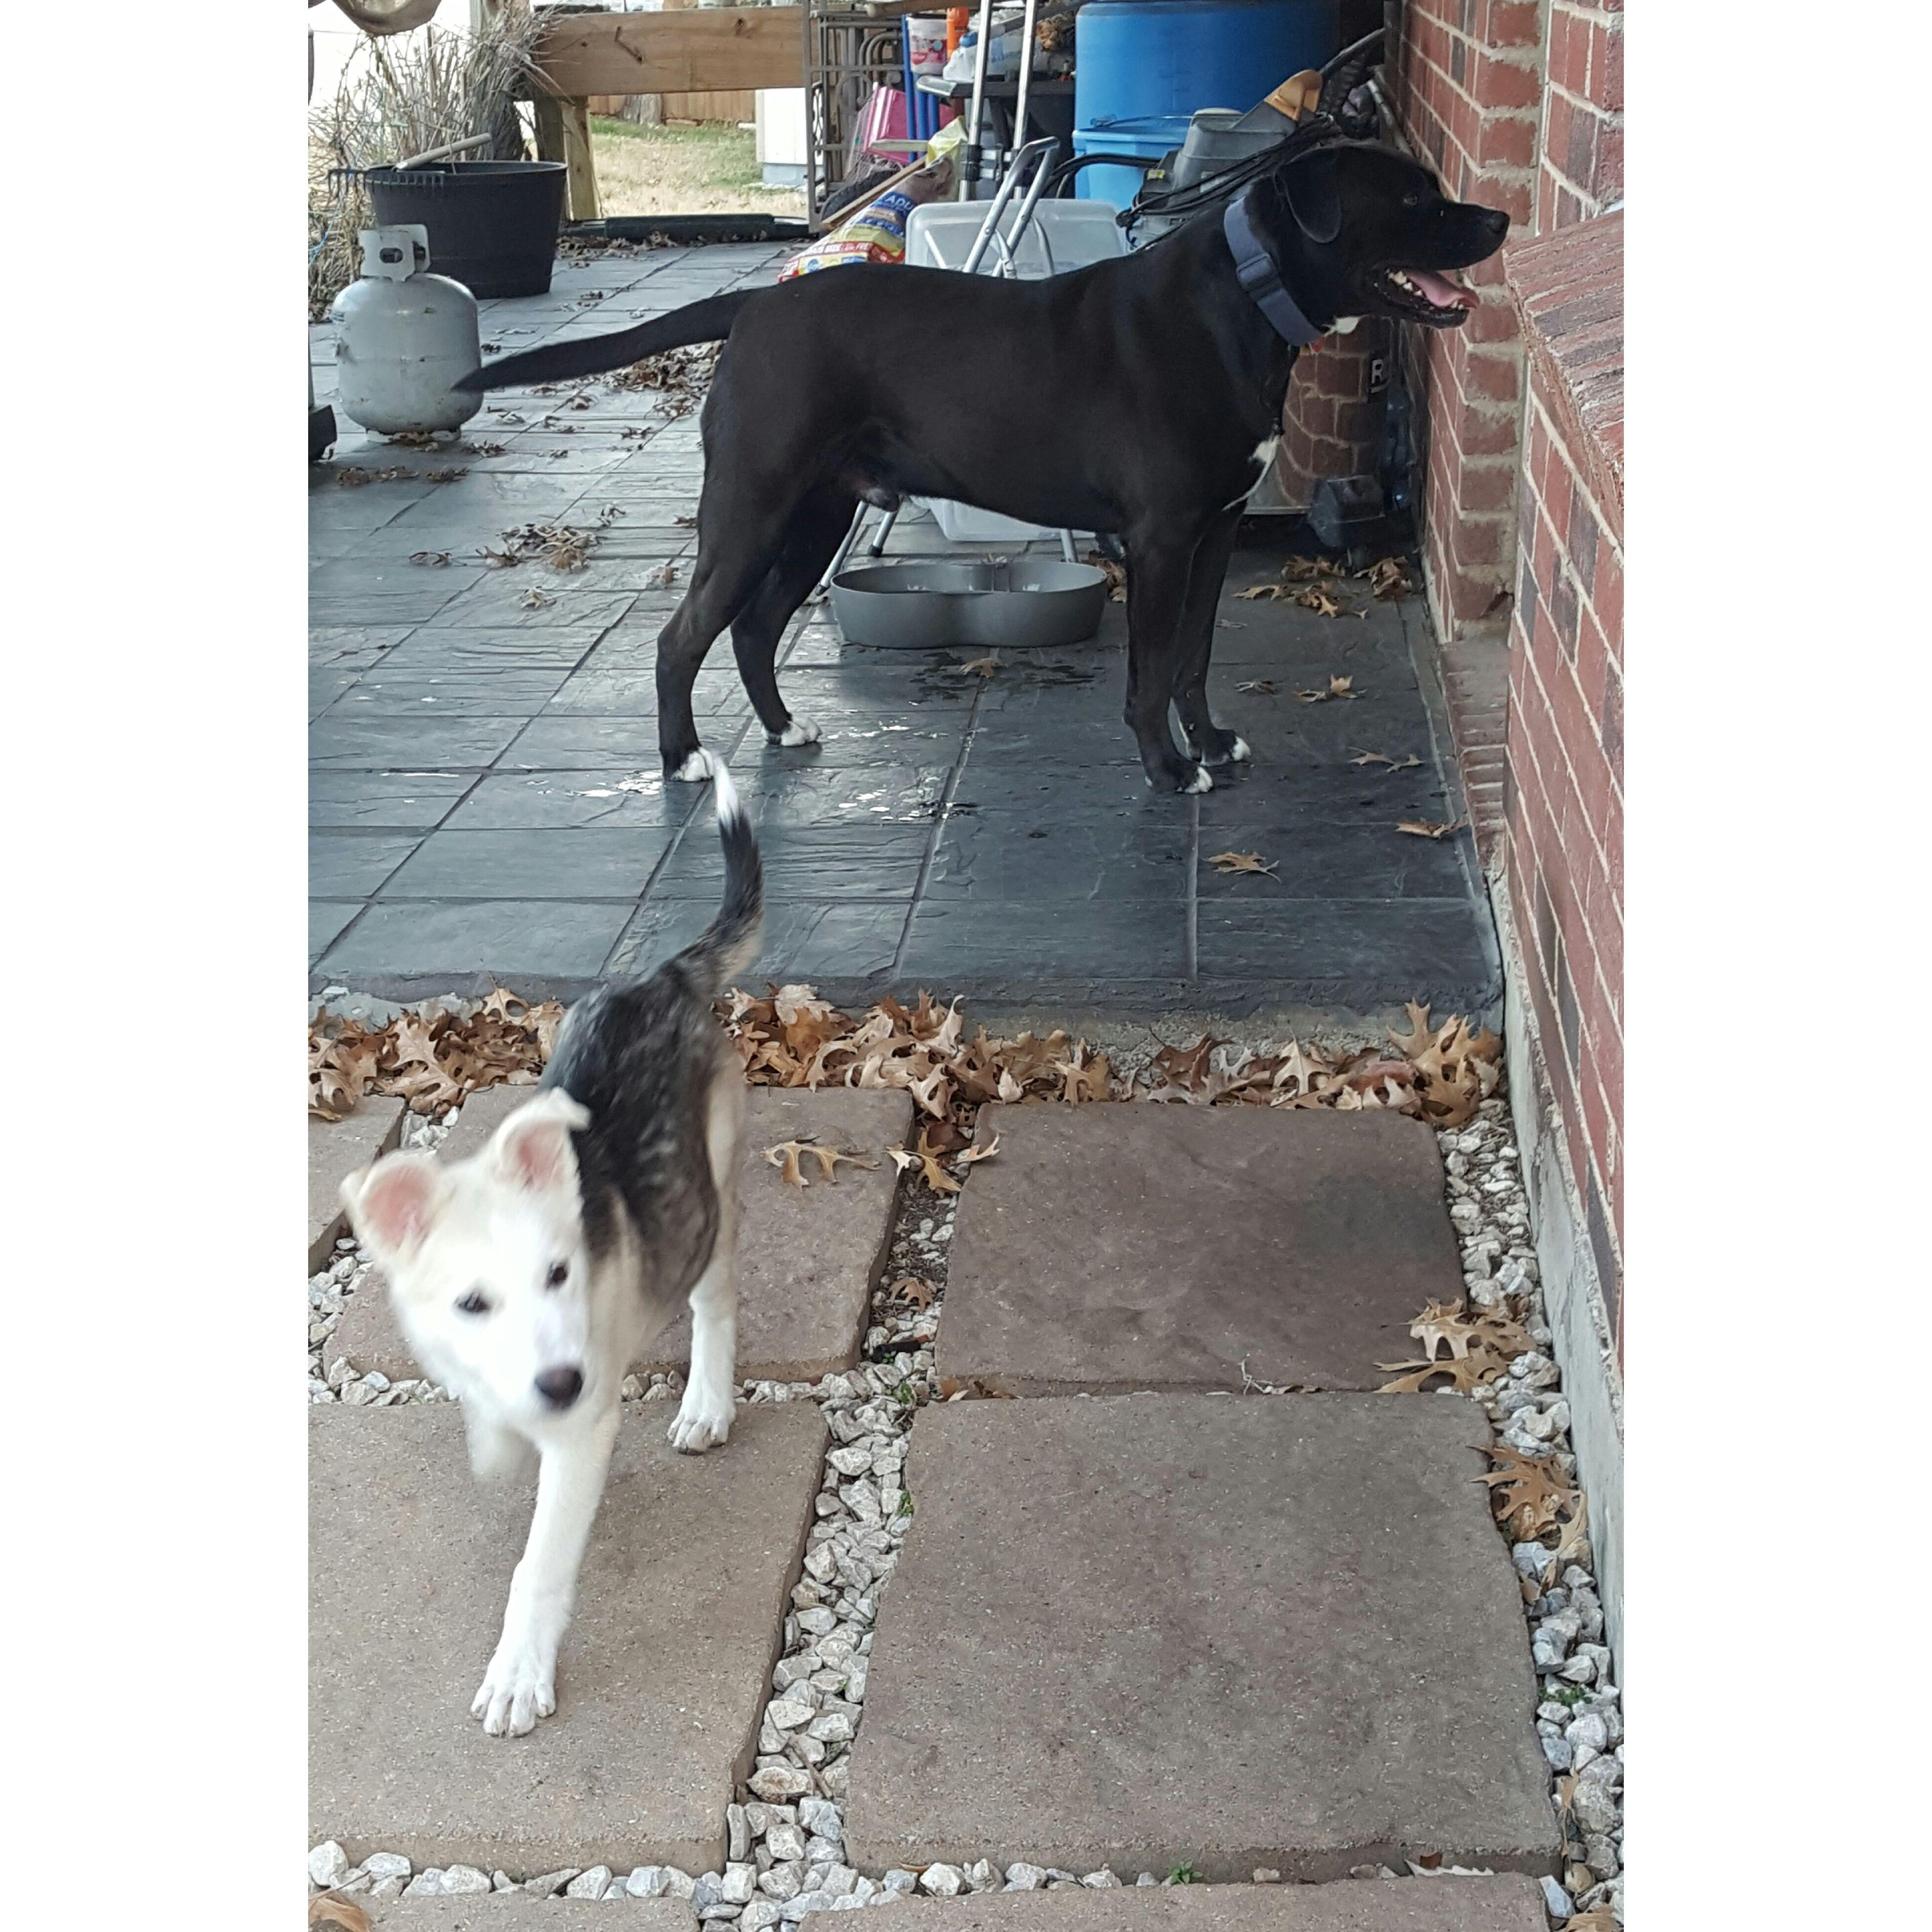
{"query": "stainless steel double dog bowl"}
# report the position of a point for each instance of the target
(1022, 602)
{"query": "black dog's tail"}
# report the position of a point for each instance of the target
(730, 943)
(707, 321)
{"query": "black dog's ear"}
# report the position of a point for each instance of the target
(1313, 197)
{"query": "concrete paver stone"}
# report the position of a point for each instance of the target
(806, 1257)
(336, 1149)
(1509, 1902)
(1119, 1248)
(1145, 1630)
(663, 1675)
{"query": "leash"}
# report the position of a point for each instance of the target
(1334, 116)
(1255, 269)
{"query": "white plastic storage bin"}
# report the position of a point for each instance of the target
(1062, 235)
(961, 523)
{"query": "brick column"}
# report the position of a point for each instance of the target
(1580, 168)
(1565, 801)
(1467, 83)
(1330, 424)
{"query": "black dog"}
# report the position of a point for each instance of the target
(1142, 396)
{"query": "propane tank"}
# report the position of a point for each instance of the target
(403, 336)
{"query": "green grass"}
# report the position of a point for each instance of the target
(723, 154)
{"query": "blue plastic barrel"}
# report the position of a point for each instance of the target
(1137, 59)
(1158, 135)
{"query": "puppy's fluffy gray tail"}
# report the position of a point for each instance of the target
(730, 943)
(707, 321)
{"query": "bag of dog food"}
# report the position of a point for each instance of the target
(877, 233)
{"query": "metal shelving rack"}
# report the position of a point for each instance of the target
(847, 54)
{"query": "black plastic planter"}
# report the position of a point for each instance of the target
(493, 225)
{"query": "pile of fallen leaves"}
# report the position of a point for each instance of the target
(434, 1058)
(1480, 1347)
(1530, 1496)
(353, 476)
(792, 1038)
(1317, 583)
(682, 375)
(560, 545)
(1439, 1074)
(1116, 575)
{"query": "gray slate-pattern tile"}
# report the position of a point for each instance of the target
(488, 796)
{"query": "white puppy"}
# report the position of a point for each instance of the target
(528, 1278)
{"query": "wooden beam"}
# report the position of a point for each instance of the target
(563, 134)
(584, 206)
(697, 52)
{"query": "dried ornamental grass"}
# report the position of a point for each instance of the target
(404, 96)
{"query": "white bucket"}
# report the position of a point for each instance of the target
(925, 43)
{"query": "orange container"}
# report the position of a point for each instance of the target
(958, 20)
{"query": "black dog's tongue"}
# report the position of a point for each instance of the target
(1443, 292)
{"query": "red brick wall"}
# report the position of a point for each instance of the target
(1564, 807)
(1467, 81)
(1580, 155)
(1330, 423)
(1519, 104)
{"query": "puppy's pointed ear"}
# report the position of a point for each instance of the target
(392, 1204)
(1314, 195)
(532, 1148)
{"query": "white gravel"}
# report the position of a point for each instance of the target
(1579, 1712)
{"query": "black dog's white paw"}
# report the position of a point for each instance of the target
(800, 731)
(698, 766)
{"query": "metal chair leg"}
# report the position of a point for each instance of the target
(839, 556)
(876, 548)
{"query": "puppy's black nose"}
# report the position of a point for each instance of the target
(1496, 221)
(560, 1387)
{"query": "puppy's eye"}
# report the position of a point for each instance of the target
(473, 1303)
(560, 1274)
(1412, 201)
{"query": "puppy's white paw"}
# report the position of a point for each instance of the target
(519, 1687)
(703, 1420)
(699, 765)
(1202, 780)
(800, 731)
(1238, 750)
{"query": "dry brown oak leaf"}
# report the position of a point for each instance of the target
(789, 1154)
(1527, 1493)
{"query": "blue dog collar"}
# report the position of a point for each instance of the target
(1259, 277)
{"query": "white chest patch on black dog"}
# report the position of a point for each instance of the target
(1262, 455)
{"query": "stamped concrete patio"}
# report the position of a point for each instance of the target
(487, 803)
